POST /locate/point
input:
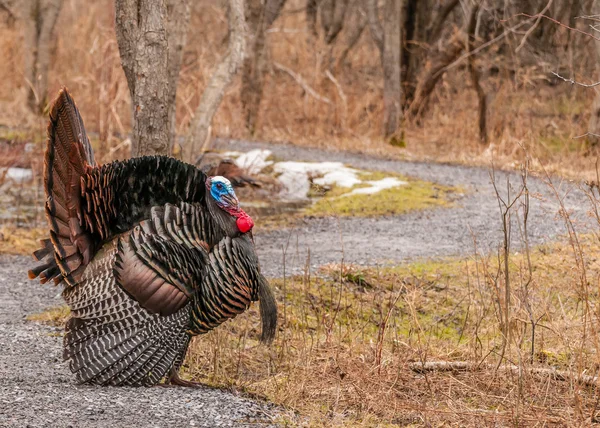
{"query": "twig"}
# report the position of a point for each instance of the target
(587, 134)
(300, 81)
(482, 47)
(125, 143)
(533, 27)
(574, 82)
(382, 328)
(539, 15)
(448, 366)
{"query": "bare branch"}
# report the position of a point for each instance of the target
(342, 96)
(300, 81)
(574, 82)
(587, 134)
(559, 23)
(533, 27)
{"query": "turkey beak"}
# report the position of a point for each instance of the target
(231, 201)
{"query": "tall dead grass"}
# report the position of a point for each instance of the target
(525, 109)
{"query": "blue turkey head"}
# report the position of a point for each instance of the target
(222, 193)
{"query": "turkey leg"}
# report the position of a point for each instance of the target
(175, 380)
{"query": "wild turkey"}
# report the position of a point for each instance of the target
(150, 251)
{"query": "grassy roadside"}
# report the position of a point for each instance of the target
(414, 195)
(348, 335)
(336, 201)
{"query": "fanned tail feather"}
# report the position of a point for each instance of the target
(69, 156)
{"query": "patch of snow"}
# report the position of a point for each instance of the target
(343, 178)
(378, 186)
(18, 175)
(232, 154)
(332, 172)
(295, 176)
(295, 184)
(254, 161)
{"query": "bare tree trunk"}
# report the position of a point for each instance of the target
(151, 58)
(434, 30)
(375, 25)
(594, 124)
(311, 16)
(220, 80)
(353, 36)
(254, 17)
(337, 22)
(40, 20)
(475, 76)
(392, 47)
(178, 12)
(259, 19)
(327, 8)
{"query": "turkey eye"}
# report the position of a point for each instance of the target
(219, 186)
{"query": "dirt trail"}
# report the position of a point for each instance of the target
(36, 388)
(438, 232)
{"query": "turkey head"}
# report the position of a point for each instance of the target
(225, 207)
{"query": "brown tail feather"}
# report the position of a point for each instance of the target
(69, 156)
(268, 310)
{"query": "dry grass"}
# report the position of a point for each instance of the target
(525, 109)
(54, 317)
(19, 240)
(347, 337)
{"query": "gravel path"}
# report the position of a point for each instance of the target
(432, 233)
(36, 388)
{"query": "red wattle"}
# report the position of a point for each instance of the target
(244, 223)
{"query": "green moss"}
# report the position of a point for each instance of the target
(416, 195)
(397, 141)
(444, 268)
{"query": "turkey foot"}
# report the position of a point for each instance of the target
(175, 380)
